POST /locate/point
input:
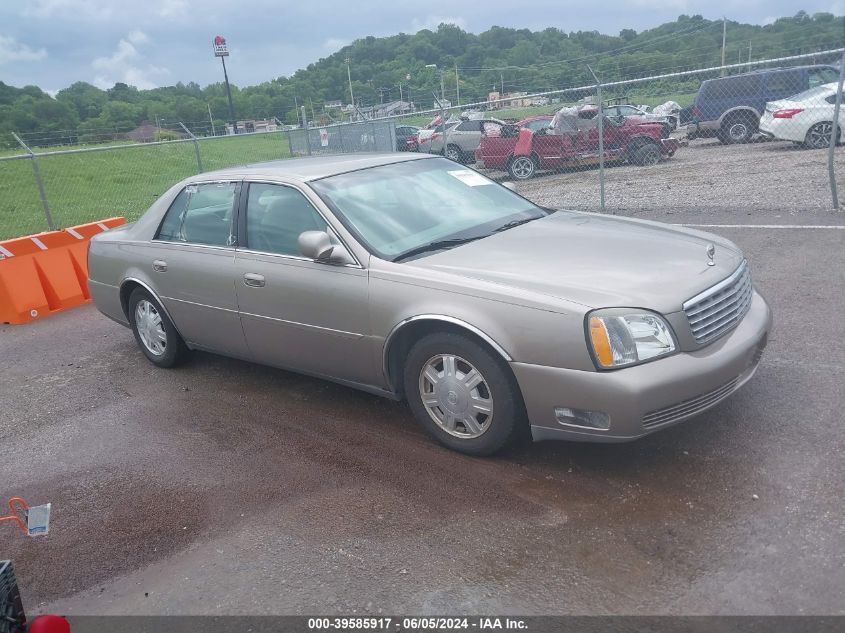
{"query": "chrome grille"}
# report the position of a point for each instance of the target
(718, 309)
(689, 407)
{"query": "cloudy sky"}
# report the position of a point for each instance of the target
(147, 43)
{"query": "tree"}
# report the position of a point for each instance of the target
(87, 100)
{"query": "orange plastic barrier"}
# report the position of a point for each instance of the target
(48, 272)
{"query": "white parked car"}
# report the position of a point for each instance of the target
(805, 118)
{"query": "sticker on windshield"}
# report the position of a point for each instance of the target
(470, 178)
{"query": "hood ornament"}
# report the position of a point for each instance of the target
(711, 254)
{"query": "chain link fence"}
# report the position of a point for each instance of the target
(752, 136)
(344, 138)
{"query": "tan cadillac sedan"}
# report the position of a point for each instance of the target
(411, 276)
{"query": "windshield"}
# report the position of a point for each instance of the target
(399, 208)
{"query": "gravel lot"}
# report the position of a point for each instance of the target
(766, 178)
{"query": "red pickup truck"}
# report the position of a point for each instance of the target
(572, 140)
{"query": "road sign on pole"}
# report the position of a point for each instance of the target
(221, 50)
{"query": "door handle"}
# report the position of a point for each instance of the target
(160, 266)
(254, 280)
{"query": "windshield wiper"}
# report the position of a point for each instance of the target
(513, 223)
(436, 246)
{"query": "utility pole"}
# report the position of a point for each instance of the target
(442, 89)
(400, 91)
(457, 86)
(724, 38)
(502, 77)
(749, 54)
(349, 76)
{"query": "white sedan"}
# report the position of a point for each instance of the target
(805, 118)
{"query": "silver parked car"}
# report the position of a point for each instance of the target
(460, 142)
(412, 277)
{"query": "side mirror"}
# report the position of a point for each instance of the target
(317, 245)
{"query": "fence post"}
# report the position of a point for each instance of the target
(196, 147)
(600, 115)
(37, 173)
(834, 132)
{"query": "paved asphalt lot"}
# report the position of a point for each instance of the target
(224, 487)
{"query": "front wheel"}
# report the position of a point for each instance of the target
(818, 136)
(463, 395)
(154, 332)
(522, 168)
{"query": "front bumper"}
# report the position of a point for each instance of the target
(670, 146)
(647, 397)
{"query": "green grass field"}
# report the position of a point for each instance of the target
(95, 185)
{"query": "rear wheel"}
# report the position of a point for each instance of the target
(522, 167)
(154, 332)
(737, 129)
(648, 154)
(462, 394)
(818, 136)
(453, 152)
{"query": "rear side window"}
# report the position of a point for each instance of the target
(785, 83)
(469, 126)
(821, 76)
(731, 87)
(200, 214)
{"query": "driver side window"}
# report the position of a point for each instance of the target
(276, 215)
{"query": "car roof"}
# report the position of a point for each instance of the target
(763, 71)
(313, 167)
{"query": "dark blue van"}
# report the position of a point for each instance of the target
(730, 108)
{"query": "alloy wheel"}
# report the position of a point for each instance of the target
(819, 135)
(150, 327)
(738, 132)
(522, 168)
(456, 396)
(452, 153)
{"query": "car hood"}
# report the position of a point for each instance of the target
(594, 260)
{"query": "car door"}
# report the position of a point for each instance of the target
(192, 268)
(460, 134)
(298, 313)
(470, 138)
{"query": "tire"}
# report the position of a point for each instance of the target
(479, 416)
(154, 332)
(818, 136)
(646, 156)
(454, 153)
(737, 129)
(522, 167)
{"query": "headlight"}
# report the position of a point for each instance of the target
(620, 337)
